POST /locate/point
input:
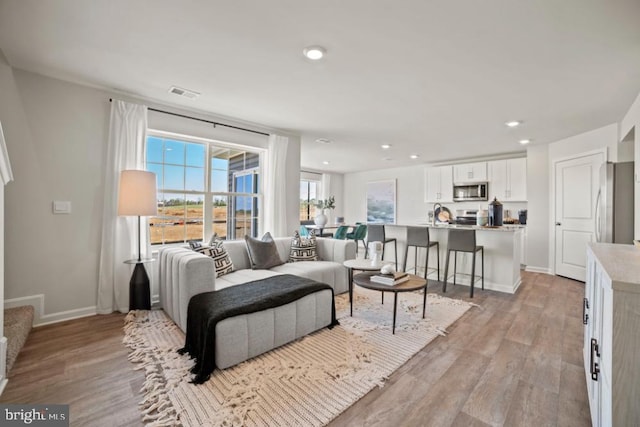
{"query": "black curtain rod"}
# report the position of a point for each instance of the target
(203, 120)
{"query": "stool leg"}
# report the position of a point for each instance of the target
(438, 258)
(482, 253)
(455, 266)
(406, 254)
(415, 261)
(395, 247)
(446, 272)
(426, 263)
(473, 272)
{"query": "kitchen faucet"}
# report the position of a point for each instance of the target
(434, 211)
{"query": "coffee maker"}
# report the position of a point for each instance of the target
(522, 216)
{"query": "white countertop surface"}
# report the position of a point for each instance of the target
(622, 264)
(507, 227)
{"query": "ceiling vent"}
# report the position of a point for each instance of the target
(183, 92)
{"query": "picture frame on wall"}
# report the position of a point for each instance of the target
(381, 202)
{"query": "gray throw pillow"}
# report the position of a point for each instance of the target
(263, 253)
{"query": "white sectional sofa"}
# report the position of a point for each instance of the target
(184, 273)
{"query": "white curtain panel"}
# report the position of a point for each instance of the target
(126, 149)
(275, 188)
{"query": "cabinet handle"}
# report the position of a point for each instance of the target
(595, 369)
(585, 315)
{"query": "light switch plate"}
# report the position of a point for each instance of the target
(61, 207)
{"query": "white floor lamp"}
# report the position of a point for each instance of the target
(137, 197)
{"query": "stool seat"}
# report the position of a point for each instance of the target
(376, 233)
(418, 237)
(462, 241)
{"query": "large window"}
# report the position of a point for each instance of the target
(309, 191)
(202, 188)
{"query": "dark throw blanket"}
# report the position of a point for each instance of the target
(208, 308)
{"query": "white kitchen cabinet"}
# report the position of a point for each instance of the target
(508, 179)
(470, 172)
(438, 184)
(611, 318)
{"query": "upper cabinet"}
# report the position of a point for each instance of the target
(470, 172)
(508, 179)
(439, 184)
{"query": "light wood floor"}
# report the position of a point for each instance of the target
(514, 361)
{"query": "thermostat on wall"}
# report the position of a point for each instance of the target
(61, 207)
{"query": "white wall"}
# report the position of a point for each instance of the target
(537, 242)
(56, 134)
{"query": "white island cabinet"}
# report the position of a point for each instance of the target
(611, 318)
(502, 246)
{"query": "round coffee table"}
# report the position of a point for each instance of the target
(361, 265)
(414, 283)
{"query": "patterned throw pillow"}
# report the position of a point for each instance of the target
(221, 260)
(303, 248)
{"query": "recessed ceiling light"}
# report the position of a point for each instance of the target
(513, 123)
(323, 141)
(524, 141)
(314, 52)
(387, 158)
(414, 156)
(325, 162)
(385, 146)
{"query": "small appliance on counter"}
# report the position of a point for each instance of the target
(466, 217)
(495, 213)
(522, 216)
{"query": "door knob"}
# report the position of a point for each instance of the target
(558, 223)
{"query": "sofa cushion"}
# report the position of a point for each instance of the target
(303, 248)
(263, 253)
(221, 260)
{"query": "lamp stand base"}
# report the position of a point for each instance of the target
(139, 289)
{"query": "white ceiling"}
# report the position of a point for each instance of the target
(435, 78)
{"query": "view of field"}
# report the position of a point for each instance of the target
(170, 225)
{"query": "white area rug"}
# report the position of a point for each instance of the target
(308, 382)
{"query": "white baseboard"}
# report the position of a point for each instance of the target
(533, 269)
(41, 319)
(3, 364)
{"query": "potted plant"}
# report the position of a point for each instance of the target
(324, 204)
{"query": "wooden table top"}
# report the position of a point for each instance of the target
(413, 284)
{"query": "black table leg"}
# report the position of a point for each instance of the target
(424, 302)
(139, 289)
(395, 308)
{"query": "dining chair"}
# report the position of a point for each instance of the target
(341, 232)
(358, 235)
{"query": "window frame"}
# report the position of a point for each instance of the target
(207, 194)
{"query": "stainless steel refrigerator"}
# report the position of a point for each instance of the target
(614, 203)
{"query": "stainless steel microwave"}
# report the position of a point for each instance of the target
(470, 192)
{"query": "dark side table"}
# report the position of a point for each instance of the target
(139, 288)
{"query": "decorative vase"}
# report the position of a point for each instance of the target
(320, 219)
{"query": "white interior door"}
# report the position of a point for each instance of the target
(576, 189)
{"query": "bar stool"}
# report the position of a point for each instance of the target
(462, 241)
(418, 237)
(375, 233)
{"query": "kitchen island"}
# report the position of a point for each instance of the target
(502, 250)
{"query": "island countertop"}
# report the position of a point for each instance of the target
(507, 227)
